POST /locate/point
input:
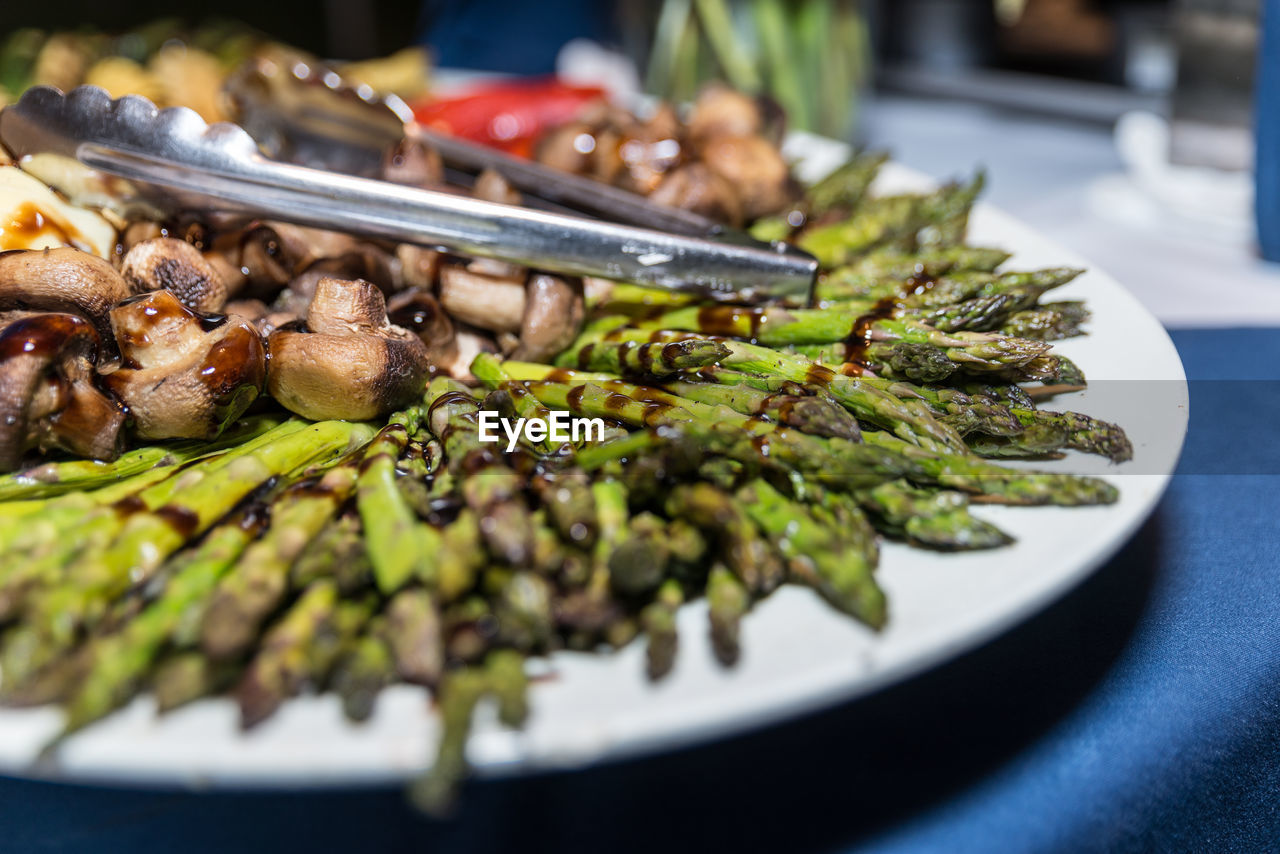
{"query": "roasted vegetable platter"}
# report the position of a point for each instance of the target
(761, 528)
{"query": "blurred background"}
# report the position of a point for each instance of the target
(1124, 129)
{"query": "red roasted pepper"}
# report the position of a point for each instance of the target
(508, 115)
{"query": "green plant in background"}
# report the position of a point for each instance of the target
(811, 56)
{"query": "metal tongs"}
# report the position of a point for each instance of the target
(177, 162)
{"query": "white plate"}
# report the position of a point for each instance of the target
(798, 654)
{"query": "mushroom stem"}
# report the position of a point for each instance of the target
(484, 301)
(353, 363)
(553, 315)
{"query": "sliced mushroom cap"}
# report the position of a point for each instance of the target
(489, 302)
(419, 312)
(165, 263)
(47, 396)
(362, 261)
(64, 280)
(184, 375)
(272, 254)
(553, 314)
(754, 166)
(696, 187)
(365, 263)
(348, 362)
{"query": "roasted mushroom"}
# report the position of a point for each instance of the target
(184, 374)
(696, 187)
(724, 163)
(226, 260)
(663, 122)
(651, 150)
(265, 261)
(252, 310)
(413, 163)
(606, 163)
(492, 187)
(720, 110)
(139, 231)
(364, 260)
(416, 266)
(419, 312)
(367, 263)
(489, 302)
(492, 268)
(63, 280)
(221, 238)
(177, 266)
(553, 315)
(348, 361)
(273, 254)
(47, 396)
(756, 169)
(569, 148)
(469, 343)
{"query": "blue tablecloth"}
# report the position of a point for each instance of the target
(1140, 713)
